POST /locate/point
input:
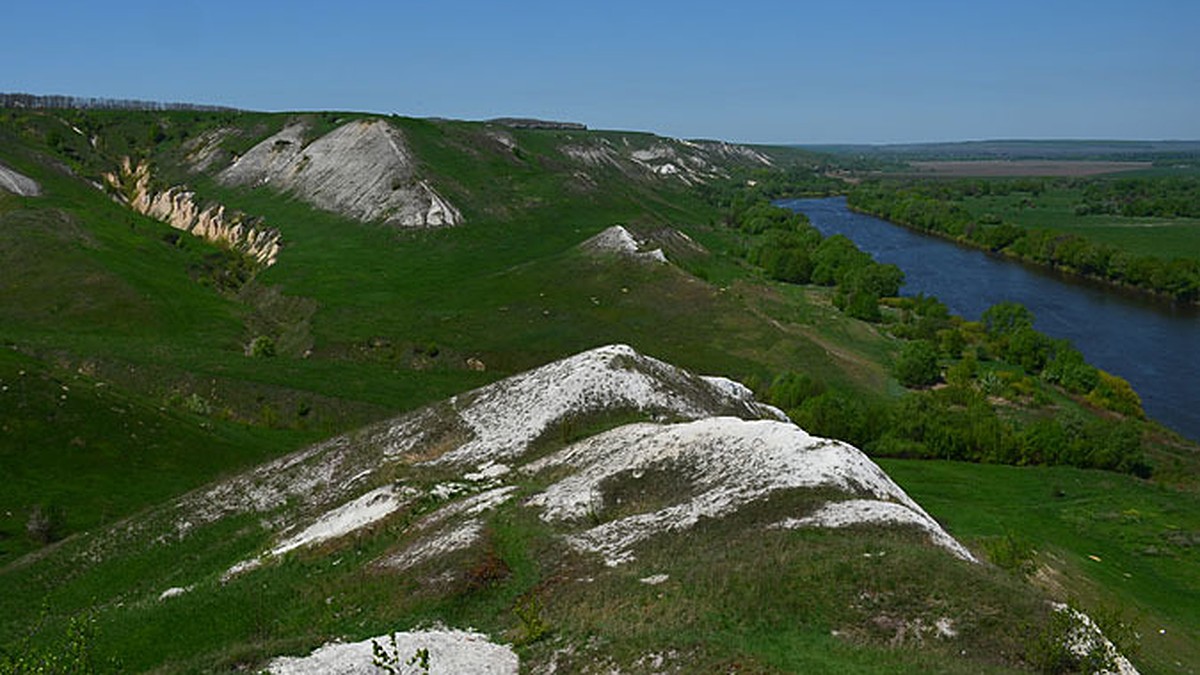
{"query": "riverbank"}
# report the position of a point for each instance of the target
(1147, 343)
(1175, 280)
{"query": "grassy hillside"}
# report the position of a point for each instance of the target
(367, 320)
(127, 379)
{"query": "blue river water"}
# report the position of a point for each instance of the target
(1154, 345)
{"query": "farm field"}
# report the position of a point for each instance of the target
(1054, 209)
(996, 168)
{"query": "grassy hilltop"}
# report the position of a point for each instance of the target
(140, 362)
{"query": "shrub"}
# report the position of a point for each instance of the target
(917, 364)
(1010, 552)
(261, 347)
(789, 390)
(1115, 393)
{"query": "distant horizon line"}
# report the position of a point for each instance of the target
(72, 102)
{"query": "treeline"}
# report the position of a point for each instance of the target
(803, 177)
(19, 100)
(930, 208)
(1169, 197)
(788, 248)
(984, 390)
(993, 402)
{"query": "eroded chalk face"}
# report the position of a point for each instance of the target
(363, 169)
(710, 468)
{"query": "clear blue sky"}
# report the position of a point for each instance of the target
(743, 70)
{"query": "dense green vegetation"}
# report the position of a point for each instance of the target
(1049, 223)
(365, 321)
(139, 364)
(1003, 357)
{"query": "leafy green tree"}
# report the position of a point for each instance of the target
(789, 390)
(1028, 349)
(917, 364)
(1006, 317)
(1115, 393)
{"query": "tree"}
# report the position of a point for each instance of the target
(917, 365)
(1115, 393)
(1006, 317)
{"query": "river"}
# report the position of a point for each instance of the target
(1154, 345)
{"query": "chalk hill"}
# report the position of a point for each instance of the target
(601, 470)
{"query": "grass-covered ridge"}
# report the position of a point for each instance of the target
(135, 369)
(858, 598)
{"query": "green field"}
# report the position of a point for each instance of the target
(1104, 539)
(1054, 209)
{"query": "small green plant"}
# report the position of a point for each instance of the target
(388, 660)
(1011, 552)
(261, 347)
(197, 404)
(529, 611)
(73, 652)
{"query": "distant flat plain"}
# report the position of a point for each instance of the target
(1022, 167)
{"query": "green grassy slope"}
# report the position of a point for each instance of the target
(1109, 541)
(126, 382)
(368, 320)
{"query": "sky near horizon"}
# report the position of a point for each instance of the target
(741, 70)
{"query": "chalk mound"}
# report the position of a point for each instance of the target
(363, 169)
(724, 450)
(619, 241)
(448, 652)
(726, 463)
(18, 184)
(334, 488)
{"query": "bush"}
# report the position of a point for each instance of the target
(261, 347)
(789, 390)
(836, 414)
(917, 365)
(1115, 394)
(1011, 552)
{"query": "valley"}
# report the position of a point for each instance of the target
(272, 380)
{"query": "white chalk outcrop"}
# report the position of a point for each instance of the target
(359, 513)
(729, 463)
(362, 169)
(728, 449)
(879, 512)
(177, 207)
(1086, 638)
(688, 162)
(18, 184)
(620, 241)
(327, 491)
(507, 416)
(448, 652)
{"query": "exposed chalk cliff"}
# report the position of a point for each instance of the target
(177, 206)
(18, 184)
(363, 169)
(689, 162)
